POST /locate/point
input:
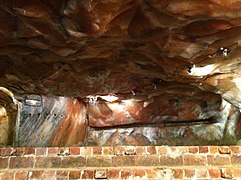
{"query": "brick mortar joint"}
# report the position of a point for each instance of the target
(174, 155)
(119, 147)
(128, 147)
(124, 167)
(183, 156)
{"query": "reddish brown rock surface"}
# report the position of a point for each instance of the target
(72, 130)
(58, 121)
(166, 103)
(75, 48)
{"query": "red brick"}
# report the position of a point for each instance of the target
(166, 160)
(18, 152)
(87, 174)
(6, 151)
(178, 173)
(74, 175)
(224, 150)
(193, 149)
(126, 173)
(141, 150)
(70, 162)
(48, 162)
(162, 149)
(122, 161)
(201, 173)
(235, 150)
(97, 150)
(29, 151)
(21, 175)
(88, 151)
(119, 150)
(203, 149)
(6, 175)
(21, 162)
(63, 151)
(138, 173)
(227, 173)
(146, 160)
(236, 159)
(49, 174)
(99, 161)
(214, 173)
(189, 173)
(237, 173)
(100, 174)
(130, 150)
(4, 162)
(194, 160)
(41, 151)
(113, 174)
(107, 150)
(151, 150)
(213, 149)
(74, 150)
(53, 151)
(35, 174)
(218, 160)
(62, 175)
(150, 173)
(179, 149)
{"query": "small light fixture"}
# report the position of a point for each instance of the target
(189, 69)
(94, 99)
(203, 71)
(224, 51)
(154, 86)
(109, 98)
(133, 92)
(33, 100)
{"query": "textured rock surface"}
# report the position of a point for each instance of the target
(58, 121)
(4, 127)
(166, 102)
(165, 60)
(8, 116)
(77, 48)
(226, 130)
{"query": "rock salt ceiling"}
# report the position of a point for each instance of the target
(129, 61)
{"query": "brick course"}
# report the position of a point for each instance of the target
(141, 162)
